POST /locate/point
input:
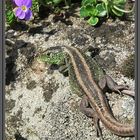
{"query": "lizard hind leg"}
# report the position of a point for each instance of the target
(89, 112)
(108, 82)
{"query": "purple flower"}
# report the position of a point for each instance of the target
(22, 10)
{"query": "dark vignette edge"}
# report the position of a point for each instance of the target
(2, 68)
(137, 69)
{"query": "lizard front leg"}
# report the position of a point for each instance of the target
(89, 112)
(108, 82)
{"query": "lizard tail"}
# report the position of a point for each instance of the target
(116, 127)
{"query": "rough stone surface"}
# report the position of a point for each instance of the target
(40, 105)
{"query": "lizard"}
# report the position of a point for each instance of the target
(94, 103)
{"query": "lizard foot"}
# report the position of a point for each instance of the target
(89, 112)
(108, 82)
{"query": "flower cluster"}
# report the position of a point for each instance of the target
(22, 9)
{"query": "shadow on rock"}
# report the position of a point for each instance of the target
(19, 137)
(25, 48)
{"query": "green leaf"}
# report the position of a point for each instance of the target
(56, 1)
(92, 10)
(87, 2)
(101, 10)
(88, 11)
(122, 9)
(10, 17)
(117, 13)
(93, 21)
(35, 6)
(84, 12)
(119, 2)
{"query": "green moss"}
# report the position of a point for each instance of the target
(53, 58)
